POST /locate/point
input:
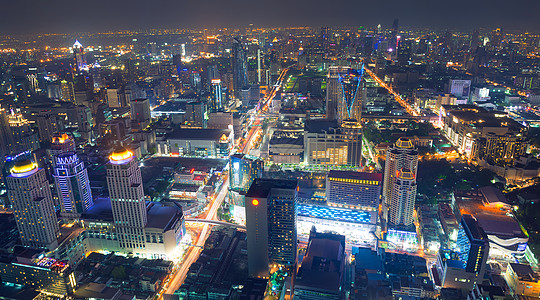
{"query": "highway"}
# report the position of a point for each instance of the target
(397, 97)
(178, 275)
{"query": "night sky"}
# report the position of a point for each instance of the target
(61, 16)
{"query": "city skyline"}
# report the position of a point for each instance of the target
(140, 15)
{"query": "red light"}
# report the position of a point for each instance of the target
(192, 170)
(255, 202)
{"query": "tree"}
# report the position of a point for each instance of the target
(118, 272)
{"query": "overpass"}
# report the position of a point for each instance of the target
(214, 222)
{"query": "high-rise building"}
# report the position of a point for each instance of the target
(23, 136)
(68, 92)
(127, 199)
(113, 97)
(472, 246)
(353, 189)
(239, 63)
(31, 198)
(47, 125)
(79, 56)
(71, 178)
(196, 115)
(243, 170)
(140, 113)
(6, 137)
(217, 102)
(271, 224)
(501, 150)
(344, 94)
(403, 198)
(402, 155)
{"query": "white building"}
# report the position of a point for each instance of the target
(30, 195)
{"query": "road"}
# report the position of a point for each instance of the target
(398, 98)
(177, 277)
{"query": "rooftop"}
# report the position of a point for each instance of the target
(197, 133)
(261, 187)
(355, 175)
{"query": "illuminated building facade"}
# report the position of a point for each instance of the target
(127, 199)
(402, 155)
(344, 94)
(239, 64)
(472, 246)
(333, 145)
(243, 170)
(354, 189)
(501, 150)
(403, 198)
(79, 57)
(217, 102)
(44, 274)
(72, 184)
(271, 210)
(31, 198)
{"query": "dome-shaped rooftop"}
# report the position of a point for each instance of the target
(404, 142)
(120, 154)
(23, 167)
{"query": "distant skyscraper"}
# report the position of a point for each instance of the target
(344, 94)
(239, 63)
(79, 56)
(127, 199)
(401, 155)
(30, 195)
(140, 113)
(6, 137)
(271, 224)
(403, 199)
(70, 177)
(217, 102)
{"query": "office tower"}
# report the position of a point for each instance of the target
(31, 198)
(140, 113)
(6, 137)
(47, 125)
(353, 189)
(343, 94)
(472, 246)
(239, 63)
(79, 56)
(113, 97)
(271, 224)
(127, 199)
(401, 155)
(395, 31)
(68, 92)
(325, 39)
(403, 198)
(259, 70)
(177, 62)
(23, 137)
(196, 115)
(243, 169)
(70, 177)
(217, 103)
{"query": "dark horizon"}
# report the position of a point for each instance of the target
(60, 16)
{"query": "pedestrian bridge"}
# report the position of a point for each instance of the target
(214, 222)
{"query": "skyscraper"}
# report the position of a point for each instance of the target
(403, 198)
(78, 56)
(71, 178)
(140, 113)
(472, 246)
(30, 195)
(243, 169)
(271, 224)
(343, 94)
(217, 103)
(127, 199)
(239, 63)
(400, 157)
